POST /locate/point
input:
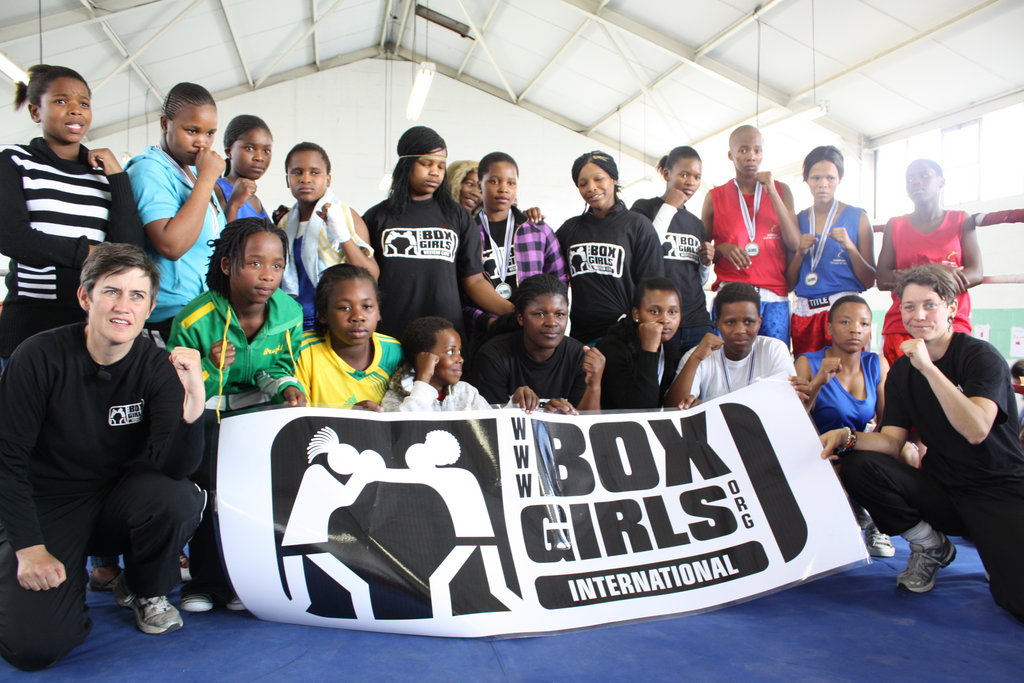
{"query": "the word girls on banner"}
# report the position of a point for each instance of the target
(497, 522)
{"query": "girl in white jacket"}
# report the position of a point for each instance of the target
(429, 378)
(322, 231)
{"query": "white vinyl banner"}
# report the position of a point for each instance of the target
(496, 522)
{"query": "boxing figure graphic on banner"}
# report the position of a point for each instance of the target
(321, 493)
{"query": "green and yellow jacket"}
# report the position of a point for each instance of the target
(263, 368)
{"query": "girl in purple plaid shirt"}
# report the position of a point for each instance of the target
(514, 246)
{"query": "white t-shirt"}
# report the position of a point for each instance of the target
(770, 358)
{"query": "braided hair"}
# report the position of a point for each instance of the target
(528, 291)
(231, 246)
(186, 95)
(237, 127)
(39, 78)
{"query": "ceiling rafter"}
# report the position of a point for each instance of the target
(483, 43)
(707, 47)
(123, 50)
(297, 42)
(220, 95)
(676, 49)
(692, 61)
(385, 19)
(73, 17)
(916, 38)
(734, 28)
(558, 53)
(406, 13)
(554, 117)
(636, 96)
(659, 104)
(949, 118)
(237, 43)
(483, 27)
(775, 99)
(313, 36)
(551, 62)
(130, 59)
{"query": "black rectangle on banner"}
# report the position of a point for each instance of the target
(659, 578)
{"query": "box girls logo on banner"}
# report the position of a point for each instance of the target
(488, 523)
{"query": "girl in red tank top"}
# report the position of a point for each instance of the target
(928, 235)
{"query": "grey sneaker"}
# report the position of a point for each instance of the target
(878, 544)
(122, 593)
(919, 576)
(155, 615)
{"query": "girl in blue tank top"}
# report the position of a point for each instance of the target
(835, 256)
(248, 147)
(846, 381)
(847, 386)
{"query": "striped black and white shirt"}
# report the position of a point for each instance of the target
(51, 211)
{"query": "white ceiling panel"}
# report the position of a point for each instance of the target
(611, 65)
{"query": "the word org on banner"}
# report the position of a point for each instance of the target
(496, 522)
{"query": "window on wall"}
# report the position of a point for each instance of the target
(1001, 172)
(961, 152)
(974, 157)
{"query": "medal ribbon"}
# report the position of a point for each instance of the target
(819, 249)
(750, 372)
(749, 220)
(500, 264)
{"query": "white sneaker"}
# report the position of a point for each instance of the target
(197, 602)
(878, 544)
(155, 615)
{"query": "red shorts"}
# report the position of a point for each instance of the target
(891, 345)
(809, 332)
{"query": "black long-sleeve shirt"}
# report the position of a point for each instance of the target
(630, 380)
(606, 259)
(69, 426)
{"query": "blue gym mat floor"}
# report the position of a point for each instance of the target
(853, 626)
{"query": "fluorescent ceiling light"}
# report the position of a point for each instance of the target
(12, 70)
(420, 88)
(812, 113)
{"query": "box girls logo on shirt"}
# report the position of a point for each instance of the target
(491, 265)
(598, 258)
(680, 247)
(420, 243)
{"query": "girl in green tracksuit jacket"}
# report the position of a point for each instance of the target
(247, 330)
